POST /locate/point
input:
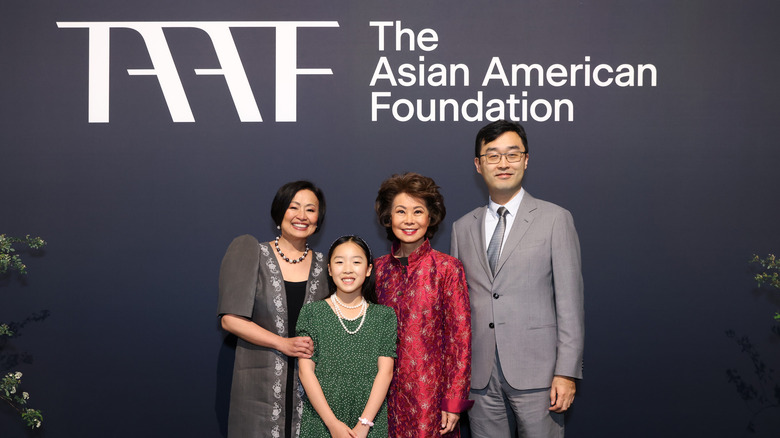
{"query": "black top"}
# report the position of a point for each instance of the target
(296, 291)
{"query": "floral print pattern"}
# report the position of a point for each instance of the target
(433, 369)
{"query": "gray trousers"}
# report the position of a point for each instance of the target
(489, 419)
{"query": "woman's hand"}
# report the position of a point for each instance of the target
(449, 421)
(247, 330)
(340, 430)
(299, 346)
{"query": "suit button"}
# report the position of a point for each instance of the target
(495, 296)
(491, 325)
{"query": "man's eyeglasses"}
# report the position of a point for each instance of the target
(495, 157)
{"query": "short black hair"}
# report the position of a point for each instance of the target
(285, 195)
(494, 130)
(368, 290)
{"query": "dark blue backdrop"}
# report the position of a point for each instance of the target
(672, 187)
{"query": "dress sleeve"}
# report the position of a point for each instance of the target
(457, 339)
(238, 277)
(305, 327)
(388, 333)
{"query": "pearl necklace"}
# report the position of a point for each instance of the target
(286, 259)
(342, 304)
(363, 304)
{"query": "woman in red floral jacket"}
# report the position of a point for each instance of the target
(427, 289)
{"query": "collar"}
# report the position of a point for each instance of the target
(416, 255)
(512, 206)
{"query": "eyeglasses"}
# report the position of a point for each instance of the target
(495, 157)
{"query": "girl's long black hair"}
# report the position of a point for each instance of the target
(368, 290)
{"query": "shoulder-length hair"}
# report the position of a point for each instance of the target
(416, 186)
(285, 195)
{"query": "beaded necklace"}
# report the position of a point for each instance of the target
(287, 259)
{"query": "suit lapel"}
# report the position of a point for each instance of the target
(477, 231)
(521, 224)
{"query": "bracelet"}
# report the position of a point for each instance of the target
(365, 421)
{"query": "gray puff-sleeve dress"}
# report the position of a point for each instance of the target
(251, 285)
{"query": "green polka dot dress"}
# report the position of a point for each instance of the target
(346, 365)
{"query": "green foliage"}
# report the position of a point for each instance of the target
(9, 261)
(11, 382)
(33, 418)
(771, 274)
(9, 391)
(759, 391)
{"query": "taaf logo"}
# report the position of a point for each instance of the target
(231, 68)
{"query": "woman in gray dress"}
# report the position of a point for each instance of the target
(262, 287)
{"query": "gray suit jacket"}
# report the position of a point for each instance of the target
(532, 311)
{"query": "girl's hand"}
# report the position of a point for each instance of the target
(449, 421)
(340, 430)
(300, 346)
(361, 430)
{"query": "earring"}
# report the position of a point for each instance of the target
(278, 227)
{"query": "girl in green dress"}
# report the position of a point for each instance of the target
(347, 377)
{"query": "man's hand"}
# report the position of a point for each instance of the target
(562, 393)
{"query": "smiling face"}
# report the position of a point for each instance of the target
(503, 179)
(348, 267)
(300, 218)
(409, 220)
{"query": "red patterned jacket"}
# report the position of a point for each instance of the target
(433, 369)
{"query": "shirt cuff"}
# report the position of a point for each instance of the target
(456, 406)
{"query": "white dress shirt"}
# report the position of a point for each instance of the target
(491, 218)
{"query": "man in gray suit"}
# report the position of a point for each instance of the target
(522, 262)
